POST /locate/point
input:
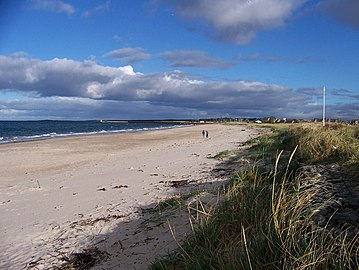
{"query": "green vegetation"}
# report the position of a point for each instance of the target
(335, 143)
(223, 155)
(265, 220)
(177, 201)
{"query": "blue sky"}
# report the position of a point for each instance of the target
(132, 59)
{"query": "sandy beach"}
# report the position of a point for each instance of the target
(60, 196)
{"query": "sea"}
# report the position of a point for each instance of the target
(22, 131)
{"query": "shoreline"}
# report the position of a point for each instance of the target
(56, 135)
(60, 196)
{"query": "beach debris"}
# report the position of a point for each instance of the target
(74, 193)
(154, 174)
(140, 170)
(83, 260)
(92, 221)
(179, 183)
(38, 183)
(120, 186)
(222, 172)
(6, 202)
(148, 209)
(102, 189)
(118, 243)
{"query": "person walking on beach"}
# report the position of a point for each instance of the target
(203, 133)
(206, 133)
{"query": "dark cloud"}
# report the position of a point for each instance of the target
(334, 92)
(345, 11)
(68, 89)
(344, 93)
(261, 57)
(237, 21)
(129, 55)
(183, 58)
(311, 91)
(84, 108)
(278, 58)
(343, 111)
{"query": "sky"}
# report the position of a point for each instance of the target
(178, 59)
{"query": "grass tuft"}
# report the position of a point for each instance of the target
(223, 155)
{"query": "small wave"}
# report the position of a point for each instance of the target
(52, 135)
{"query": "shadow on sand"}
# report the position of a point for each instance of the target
(146, 233)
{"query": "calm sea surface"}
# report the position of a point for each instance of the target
(17, 131)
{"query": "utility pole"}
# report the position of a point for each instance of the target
(324, 106)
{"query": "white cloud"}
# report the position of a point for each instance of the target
(72, 89)
(129, 55)
(97, 9)
(238, 21)
(57, 6)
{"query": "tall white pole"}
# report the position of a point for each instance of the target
(324, 106)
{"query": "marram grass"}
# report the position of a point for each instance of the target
(265, 219)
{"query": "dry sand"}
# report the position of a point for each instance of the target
(62, 195)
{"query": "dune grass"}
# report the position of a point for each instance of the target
(223, 155)
(334, 143)
(177, 201)
(265, 219)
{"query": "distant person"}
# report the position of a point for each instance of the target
(206, 133)
(203, 133)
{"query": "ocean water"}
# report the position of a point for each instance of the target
(19, 131)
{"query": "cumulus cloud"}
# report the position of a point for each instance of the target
(57, 6)
(345, 11)
(129, 55)
(86, 89)
(57, 77)
(238, 21)
(183, 58)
